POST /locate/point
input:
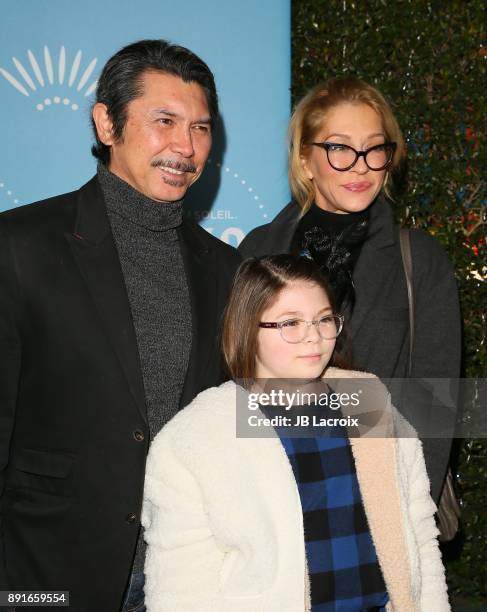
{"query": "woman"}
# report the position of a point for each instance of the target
(345, 146)
(225, 516)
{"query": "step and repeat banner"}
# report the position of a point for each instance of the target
(51, 54)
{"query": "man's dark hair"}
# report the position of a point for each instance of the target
(121, 81)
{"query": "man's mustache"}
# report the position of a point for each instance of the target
(174, 165)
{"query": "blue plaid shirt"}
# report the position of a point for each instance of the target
(344, 571)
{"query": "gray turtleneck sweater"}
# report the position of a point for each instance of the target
(147, 242)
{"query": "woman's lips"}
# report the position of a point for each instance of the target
(357, 187)
(314, 357)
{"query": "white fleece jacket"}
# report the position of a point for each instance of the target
(224, 526)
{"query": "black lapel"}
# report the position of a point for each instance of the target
(281, 230)
(200, 268)
(376, 265)
(373, 270)
(95, 252)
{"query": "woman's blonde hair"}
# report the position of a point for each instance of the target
(309, 115)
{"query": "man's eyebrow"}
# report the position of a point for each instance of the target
(165, 111)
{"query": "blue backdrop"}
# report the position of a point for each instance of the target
(51, 53)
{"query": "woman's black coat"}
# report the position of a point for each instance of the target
(379, 325)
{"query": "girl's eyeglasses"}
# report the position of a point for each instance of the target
(295, 330)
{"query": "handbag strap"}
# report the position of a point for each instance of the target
(448, 507)
(407, 262)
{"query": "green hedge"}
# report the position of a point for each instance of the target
(428, 59)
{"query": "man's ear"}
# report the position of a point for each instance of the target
(305, 166)
(103, 123)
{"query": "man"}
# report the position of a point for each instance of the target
(110, 306)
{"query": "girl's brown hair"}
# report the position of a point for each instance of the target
(256, 286)
(307, 120)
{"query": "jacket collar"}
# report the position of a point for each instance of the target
(96, 254)
(381, 232)
(281, 230)
(92, 222)
(382, 502)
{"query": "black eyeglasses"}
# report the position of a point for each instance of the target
(342, 157)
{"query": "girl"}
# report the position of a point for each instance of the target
(278, 524)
